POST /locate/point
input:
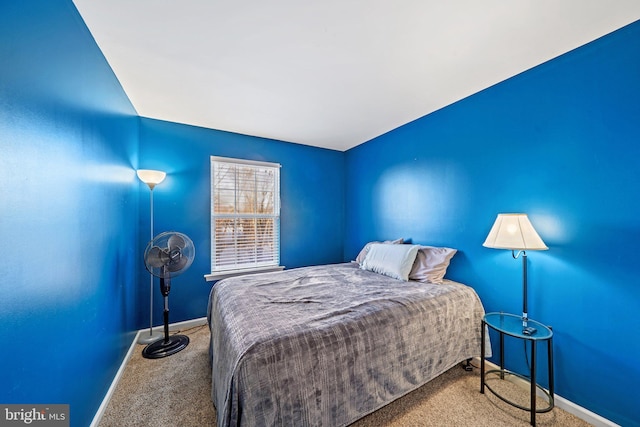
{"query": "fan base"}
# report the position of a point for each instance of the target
(164, 348)
(149, 336)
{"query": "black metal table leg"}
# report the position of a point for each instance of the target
(482, 352)
(501, 355)
(550, 362)
(533, 383)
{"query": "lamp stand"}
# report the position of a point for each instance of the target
(526, 329)
(146, 338)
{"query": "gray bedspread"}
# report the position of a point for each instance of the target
(326, 345)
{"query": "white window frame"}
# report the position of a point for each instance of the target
(218, 272)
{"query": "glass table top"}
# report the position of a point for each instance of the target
(512, 324)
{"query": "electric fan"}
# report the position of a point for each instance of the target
(167, 255)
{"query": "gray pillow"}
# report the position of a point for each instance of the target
(431, 264)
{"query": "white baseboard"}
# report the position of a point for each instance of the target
(560, 402)
(187, 324)
(107, 397)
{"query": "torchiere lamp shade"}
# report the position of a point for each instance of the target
(151, 177)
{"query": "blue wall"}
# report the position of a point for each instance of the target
(559, 142)
(312, 201)
(68, 138)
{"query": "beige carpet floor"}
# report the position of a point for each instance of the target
(175, 391)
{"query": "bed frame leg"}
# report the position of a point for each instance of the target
(467, 366)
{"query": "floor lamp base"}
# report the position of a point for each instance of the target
(149, 336)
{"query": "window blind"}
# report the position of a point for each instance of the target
(245, 214)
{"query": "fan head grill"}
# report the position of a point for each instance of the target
(169, 253)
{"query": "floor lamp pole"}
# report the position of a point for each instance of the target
(525, 311)
(151, 336)
(526, 329)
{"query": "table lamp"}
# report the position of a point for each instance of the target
(515, 232)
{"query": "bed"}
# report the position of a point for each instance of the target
(326, 345)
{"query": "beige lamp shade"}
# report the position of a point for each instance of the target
(515, 232)
(151, 177)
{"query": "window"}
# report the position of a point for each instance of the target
(245, 216)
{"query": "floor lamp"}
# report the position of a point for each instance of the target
(515, 232)
(151, 178)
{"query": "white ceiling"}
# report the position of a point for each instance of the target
(330, 73)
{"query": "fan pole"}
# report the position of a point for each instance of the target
(171, 344)
(166, 319)
(164, 289)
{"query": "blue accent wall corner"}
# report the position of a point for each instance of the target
(312, 200)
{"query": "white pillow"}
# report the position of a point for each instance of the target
(365, 249)
(391, 260)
